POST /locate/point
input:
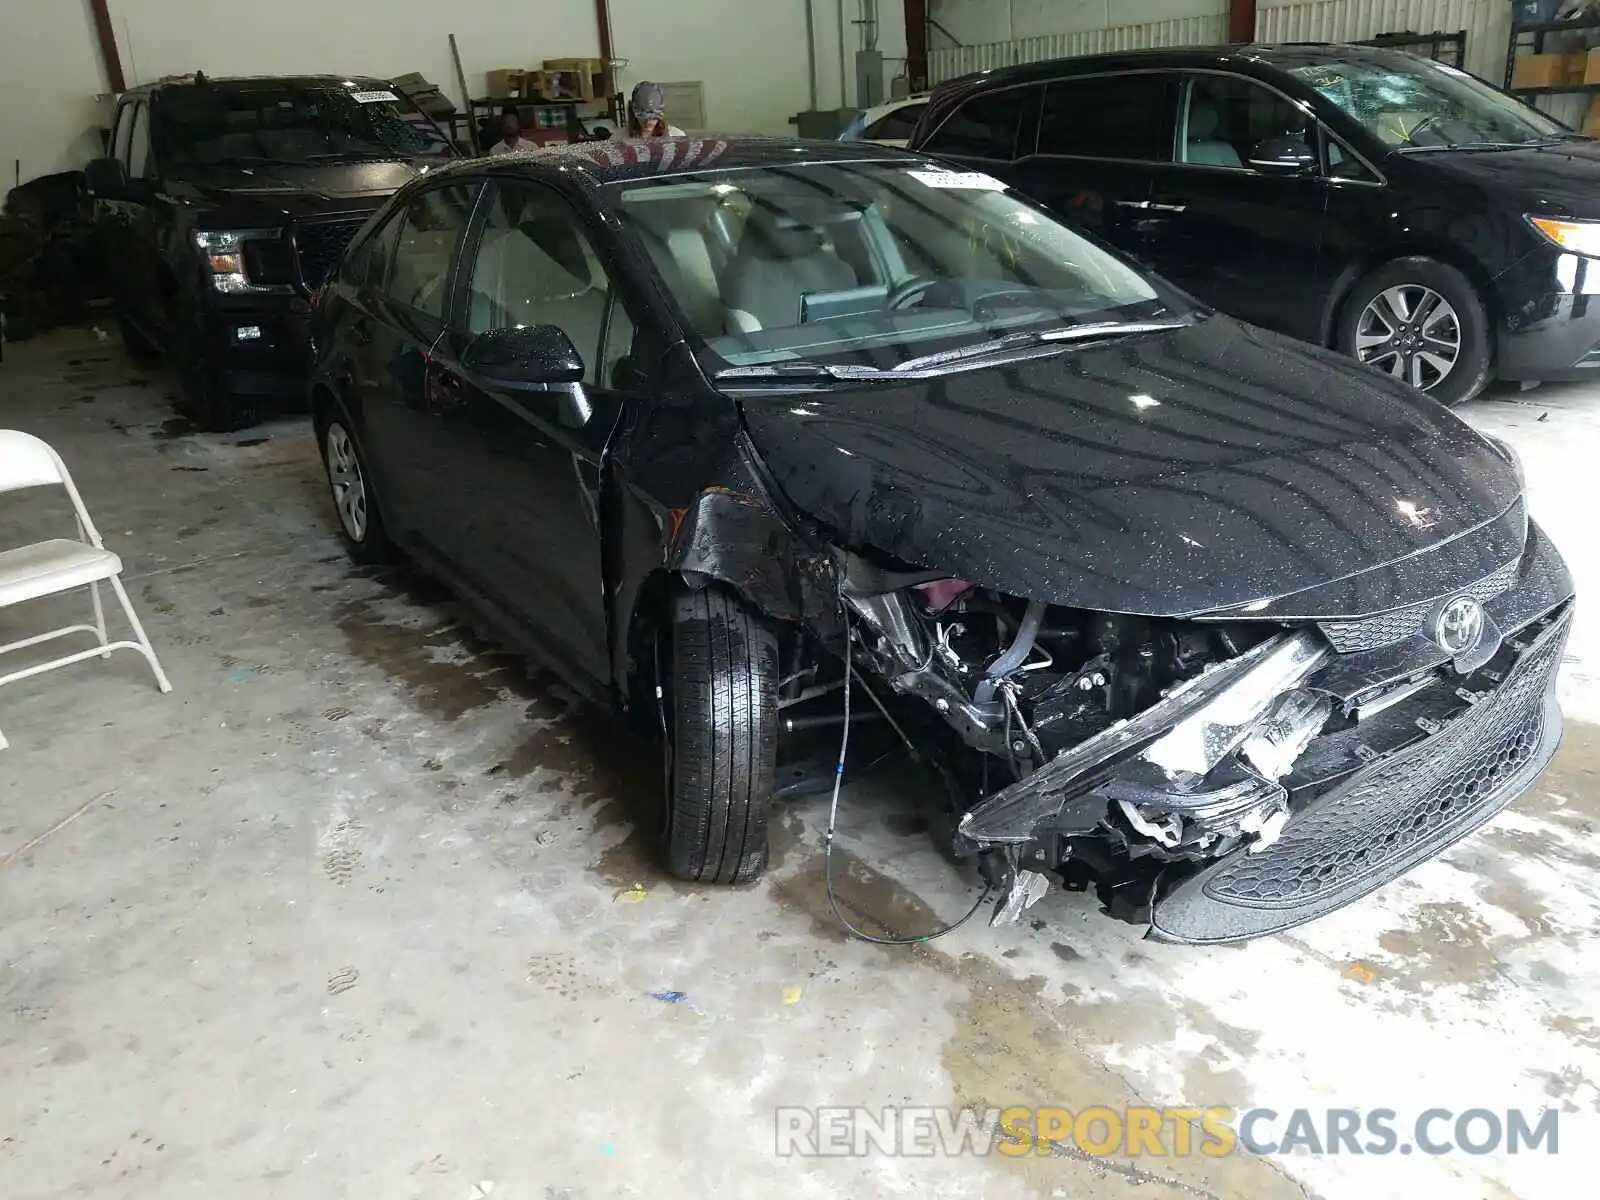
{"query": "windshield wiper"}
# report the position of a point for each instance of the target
(1536, 144)
(938, 364)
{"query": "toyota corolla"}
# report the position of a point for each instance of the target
(1228, 628)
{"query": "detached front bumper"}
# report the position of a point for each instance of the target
(1381, 821)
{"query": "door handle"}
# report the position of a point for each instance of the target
(1167, 208)
(1140, 204)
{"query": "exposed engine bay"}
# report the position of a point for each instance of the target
(1118, 752)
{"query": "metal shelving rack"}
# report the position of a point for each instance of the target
(1538, 33)
(1447, 48)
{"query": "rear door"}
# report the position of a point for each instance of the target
(1240, 235)
(528, 461)
(1101, 139)
(988, 131)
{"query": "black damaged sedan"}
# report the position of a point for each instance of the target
(1229, 628)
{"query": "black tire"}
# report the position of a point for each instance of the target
(722, 716)
(143, 352)
(1473, 365)
(367, 540)
(204, 392)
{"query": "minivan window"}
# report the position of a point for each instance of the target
(983, 127)
(1119, 116)
(1227, 118)
(897, 125)
(1418, 104)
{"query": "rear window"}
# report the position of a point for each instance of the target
(897, 126)
(1122, 117)
(985, 126)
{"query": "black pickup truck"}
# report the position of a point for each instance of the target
(224, 203)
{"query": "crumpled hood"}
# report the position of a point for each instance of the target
(1172, 474)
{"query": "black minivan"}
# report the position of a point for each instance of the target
(1392, 207)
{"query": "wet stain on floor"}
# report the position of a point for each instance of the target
(1446, 944)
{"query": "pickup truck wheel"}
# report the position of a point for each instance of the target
(1423, 322)
(205, 395)
(720, 709)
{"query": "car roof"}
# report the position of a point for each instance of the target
(1283, 56)
(618, 160)
(244, 83)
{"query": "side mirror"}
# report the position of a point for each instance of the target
(526, 356)
(1283, 156)
(108, 180)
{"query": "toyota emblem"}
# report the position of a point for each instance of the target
(1460, 625)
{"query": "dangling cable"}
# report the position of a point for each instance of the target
(833, 815)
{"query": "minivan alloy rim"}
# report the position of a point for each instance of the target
(349, 488)
(1412, 332)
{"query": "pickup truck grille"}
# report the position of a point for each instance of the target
(319, 246)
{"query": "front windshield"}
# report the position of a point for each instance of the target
(870, 263)
(209, 125)
(1412, 103)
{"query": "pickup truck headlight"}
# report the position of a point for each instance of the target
(222, 253)
(1578, 237)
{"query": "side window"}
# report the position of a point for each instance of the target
(139, 143)
(368, 265)
(122, 132)
(897, 125)
(537, 266)
(1342, 163)
(1228, 120)
(618, 341)
(418, 273)
(983, 127)
(1126, 117)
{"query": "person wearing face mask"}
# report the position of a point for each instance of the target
(647, 113)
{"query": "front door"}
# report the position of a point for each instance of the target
(532, 542)
(129, 229)
(408, 284)
(1228, 221)
(1101, 140)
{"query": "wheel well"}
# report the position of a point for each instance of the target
(649, 611)
(322, 402)
(1354, 274)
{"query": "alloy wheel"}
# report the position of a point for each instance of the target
(1412, 332)
(349, 486)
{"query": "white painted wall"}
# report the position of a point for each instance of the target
(972, 22)
(50, 69)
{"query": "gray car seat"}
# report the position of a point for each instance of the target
(1202, 144)
(780, 259)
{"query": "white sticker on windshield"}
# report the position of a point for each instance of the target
(374, 97)
(971, 181)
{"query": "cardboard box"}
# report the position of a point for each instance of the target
(506, 83)
(1547, 70)
(1591, 61)
(1591, 119)
(579, 78)
(1577, 68)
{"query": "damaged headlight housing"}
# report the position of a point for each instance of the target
(1250, 703)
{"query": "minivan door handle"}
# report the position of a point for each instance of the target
(1139, 204)
(1167, 208)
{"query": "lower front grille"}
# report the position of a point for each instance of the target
(1370, 633)
(1386, 820)
(320, 245)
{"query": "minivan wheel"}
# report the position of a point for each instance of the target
(1422, 322)
(360, 523)
(719, 696)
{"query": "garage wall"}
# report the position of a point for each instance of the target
(974, 22)
(1198, 29)
(50, 68)
(1487, 22)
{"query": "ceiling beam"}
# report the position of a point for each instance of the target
(109, 58)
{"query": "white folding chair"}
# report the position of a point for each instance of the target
(59, 565)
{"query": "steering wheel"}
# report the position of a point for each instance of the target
(911, 289)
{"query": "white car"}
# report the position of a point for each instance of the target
(888, 124)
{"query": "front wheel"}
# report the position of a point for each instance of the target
(720, 708)
(1422, 322)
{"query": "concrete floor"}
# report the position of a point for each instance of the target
(358, 911)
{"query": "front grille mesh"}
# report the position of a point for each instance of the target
(320, 246)
(1371, 633)
(1458, 779)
